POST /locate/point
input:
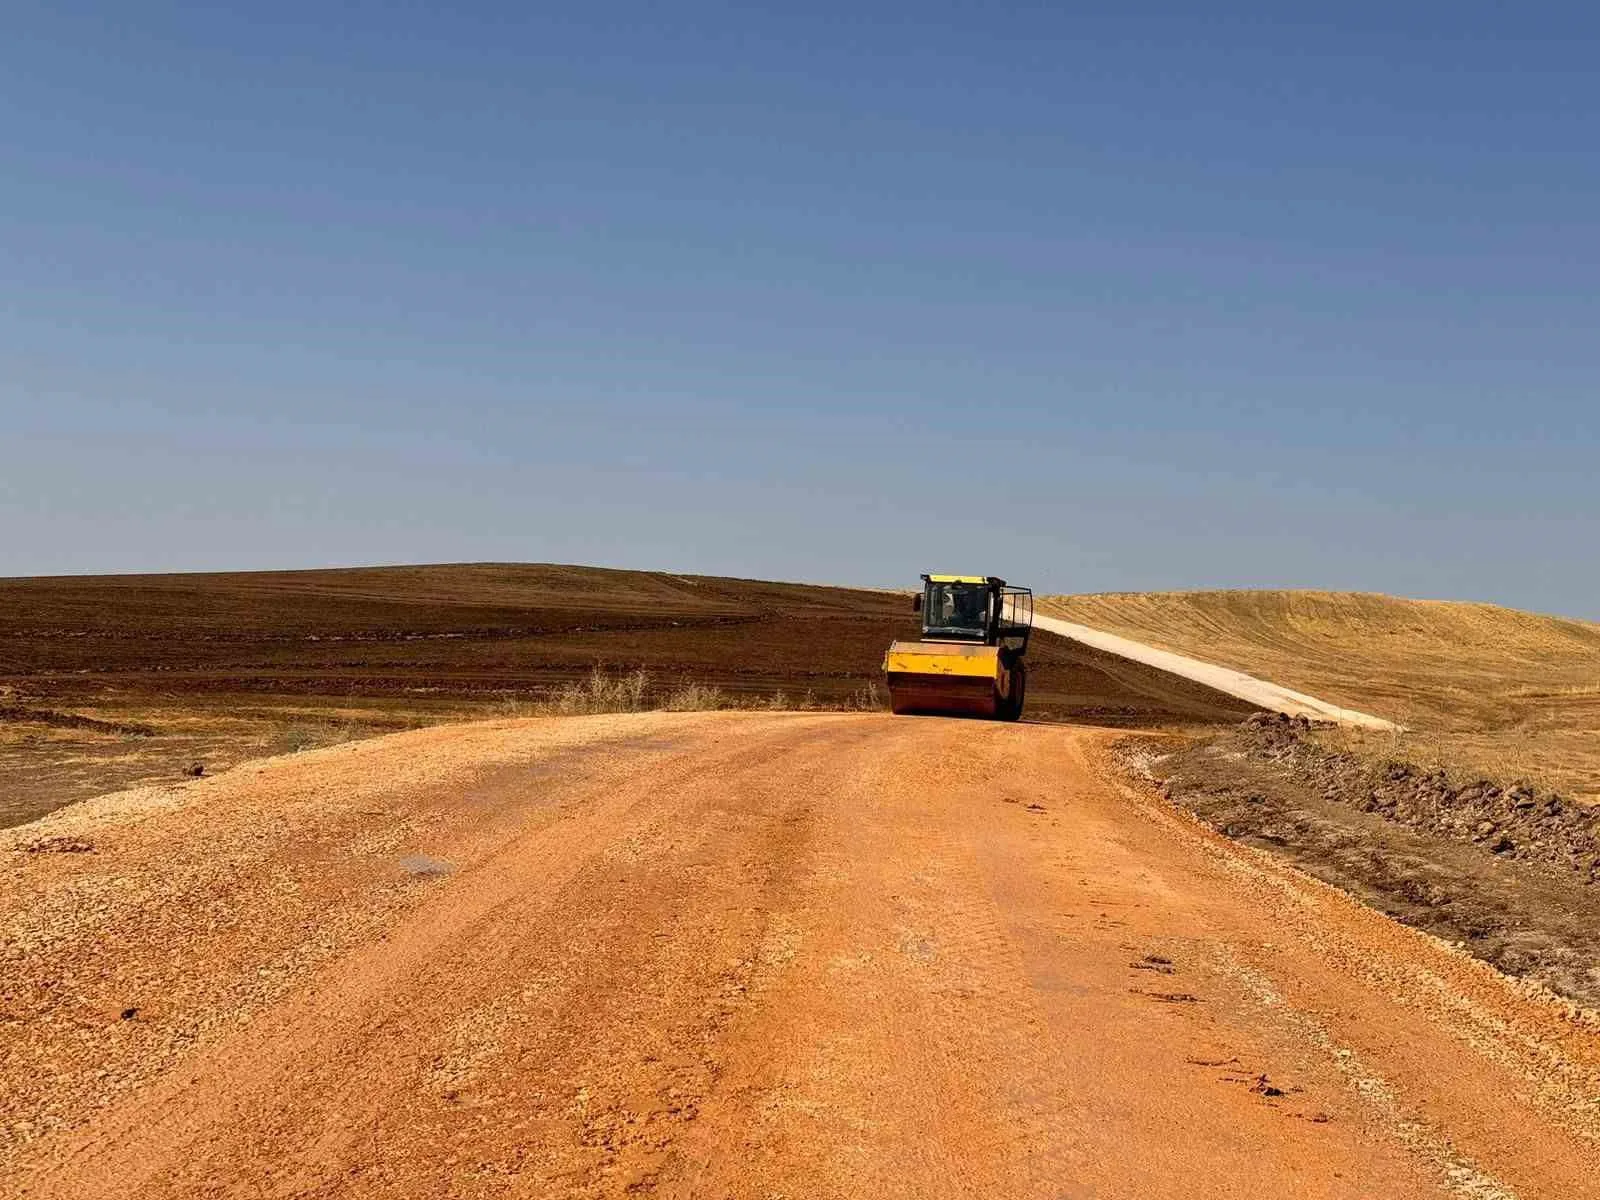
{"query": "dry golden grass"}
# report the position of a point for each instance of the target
(638, 691)
(1481, 689)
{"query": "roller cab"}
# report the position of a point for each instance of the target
(969, 660)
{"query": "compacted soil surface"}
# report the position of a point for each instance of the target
(738, 955)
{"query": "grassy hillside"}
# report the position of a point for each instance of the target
(1481, 687)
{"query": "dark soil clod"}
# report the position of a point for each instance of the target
(60, 844)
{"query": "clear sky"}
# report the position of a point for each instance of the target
(1120, 297)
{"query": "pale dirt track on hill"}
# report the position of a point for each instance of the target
(720, 955)
(1260, 692)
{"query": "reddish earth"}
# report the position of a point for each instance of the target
(746, 956)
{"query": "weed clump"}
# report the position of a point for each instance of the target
(695, 697)
(602, 693)
(636, 691)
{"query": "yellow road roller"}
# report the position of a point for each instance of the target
(975, 631)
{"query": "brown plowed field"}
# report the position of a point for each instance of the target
(228, 667)
(736, 955)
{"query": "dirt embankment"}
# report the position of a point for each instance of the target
(1511, 873)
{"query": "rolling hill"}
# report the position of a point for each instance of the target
(1480, 688)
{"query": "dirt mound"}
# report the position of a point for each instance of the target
(1508, 873)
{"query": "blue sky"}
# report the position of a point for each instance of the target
(1116, 298)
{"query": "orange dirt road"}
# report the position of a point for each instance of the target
(733, 955)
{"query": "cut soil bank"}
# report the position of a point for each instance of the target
(1509, 873)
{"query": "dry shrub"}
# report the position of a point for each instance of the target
(866, 698)
(601, 693)
(694, 697)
